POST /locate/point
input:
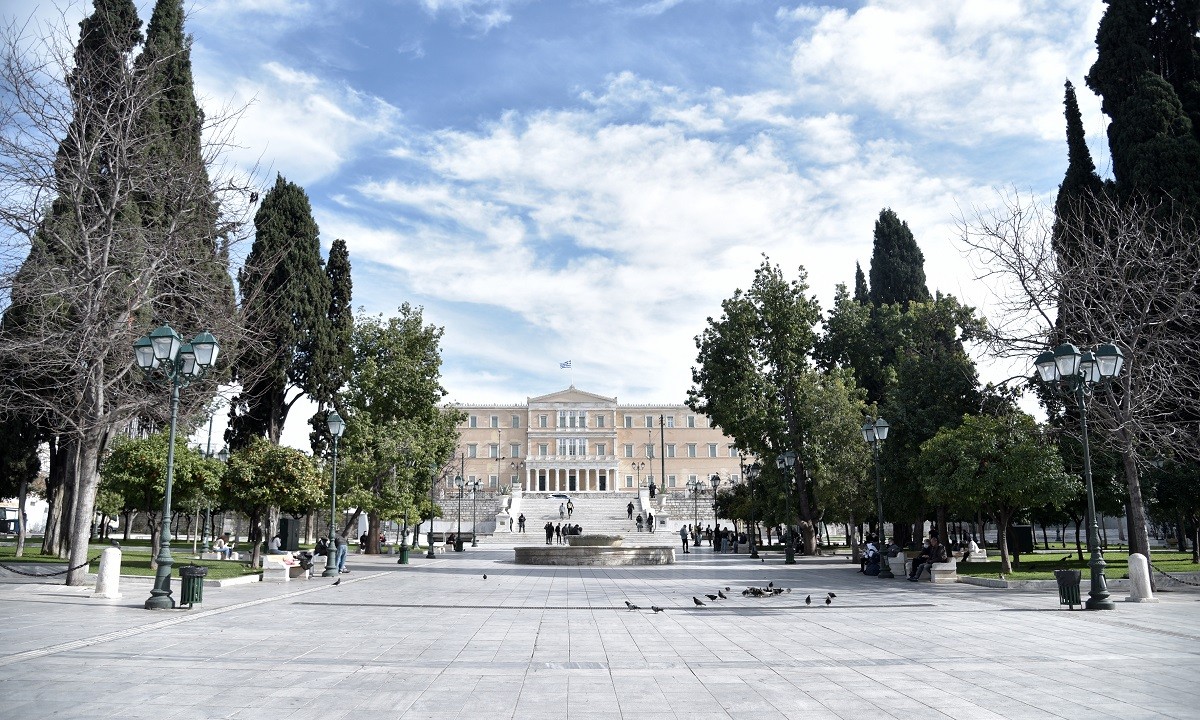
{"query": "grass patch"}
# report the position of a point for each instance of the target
(1041, 566)
(136, 561)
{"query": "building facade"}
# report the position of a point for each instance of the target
(574, 441)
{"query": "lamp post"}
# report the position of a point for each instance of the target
(875, 433)
(1075, 374)
(518, 466)
(785, 462)
(638, 466)
(433, 478)
(474, 485)
(751, 474)
(163, 350)
(336, 426)
(459, 482)
(715, 480)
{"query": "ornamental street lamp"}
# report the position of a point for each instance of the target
(875, 433)
(518, 467)
(638, 466)
(433, 478)
(716, 482)
(751, 474)
(459, 482)
(785, 462)
(1075, 374)
(163, 350)
(474, 485)
(336, 426)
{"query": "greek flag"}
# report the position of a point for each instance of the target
(564, 364)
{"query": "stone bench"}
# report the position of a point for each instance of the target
(946, 572)
(281, 568)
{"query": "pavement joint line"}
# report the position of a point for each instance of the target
(168, 622)
(676, 608)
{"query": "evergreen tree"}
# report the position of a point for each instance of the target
(862, 294)
(285, 306)
(335, 362)
(897, 264)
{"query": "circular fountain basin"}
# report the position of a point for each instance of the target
(595, 550)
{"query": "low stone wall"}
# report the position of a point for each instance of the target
(594, 555)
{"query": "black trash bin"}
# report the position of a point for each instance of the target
(403, 555)
(1068, 588)
(192, 585)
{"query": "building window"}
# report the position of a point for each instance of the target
(692, 480)
(691, 421)
(473, 422)
(712, 449)
(541, 421)
(572, 419)
(671, 450)
(572, 447)
(735, 479)
(495, 421)
(649, 421)
(691, 449)
(628, 481)
(629, 450)
(472, 450)
(649, 479)
(600, 448)
(543, 449)
(650, 450)
(470, 479)
(628, 421)
(513, 479)
(493, 480)
(516, 421)
(493, 450)
(514, 450)
(599, 421)
(670, 421)
(733, 451)
(670, 481)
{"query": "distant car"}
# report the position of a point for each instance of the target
(561, 496)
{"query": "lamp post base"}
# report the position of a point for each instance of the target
(885, 569)
(160, 602)
(1100, 604)
(330, 564)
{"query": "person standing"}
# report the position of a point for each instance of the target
(558, 533)
(549, 531)
(629, 510)
(570, 508)
(650, 521)
(521, 523)
(339, 543)
(639, 522)
(683, 535)
(562, 511)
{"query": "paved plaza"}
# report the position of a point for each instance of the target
(434, 639)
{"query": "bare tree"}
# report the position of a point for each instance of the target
(82, 275)
(1121, 271)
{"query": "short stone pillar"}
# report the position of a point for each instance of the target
(502, 519)
(1139, 579)
(108, 577)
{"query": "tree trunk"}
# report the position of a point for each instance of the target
(852, 541)
(1181, 533)
(941, 526)
(254, 538)
(1078, 544)
(1045, 540)
(1002, 541)
(373, 533)
(1103, 529)
(21, 493)
(154, 525)
(87, 479)
(351, 521)
(1196, 542)
(1138, 541)
(56, 482)
(128, 523)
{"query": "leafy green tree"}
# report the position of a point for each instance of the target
(397, 427)
(136, 471)
(756, 380)
(852, 340)
(263, 475)
(285, 303)
(1177, 501)
(999, 465)
(897, 264)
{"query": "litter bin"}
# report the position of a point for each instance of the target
(1068, 588)
(403, 555)
(192, 590)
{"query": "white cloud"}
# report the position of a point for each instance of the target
(486, 15)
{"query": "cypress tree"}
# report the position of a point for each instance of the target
(862, 295)
(897, 264)
(335, 362)
(285, 306)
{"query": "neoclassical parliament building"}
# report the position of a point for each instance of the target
(573, 441)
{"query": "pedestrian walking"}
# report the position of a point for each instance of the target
(639, 522)
(570, 508)
(339, 543)
(562, 511)
(629, 509)
(683, 535)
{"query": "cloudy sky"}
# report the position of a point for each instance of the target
(586, 180)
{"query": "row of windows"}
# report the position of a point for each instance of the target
(579, 419)
(578, 446)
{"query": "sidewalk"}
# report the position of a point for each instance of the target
(434, 639)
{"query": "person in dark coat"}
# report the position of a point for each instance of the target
(549, 531)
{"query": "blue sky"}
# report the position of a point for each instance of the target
(588, 179)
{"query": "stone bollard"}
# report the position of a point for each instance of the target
(1139, 579)
(108, 577)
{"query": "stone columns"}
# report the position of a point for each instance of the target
(1139, 579)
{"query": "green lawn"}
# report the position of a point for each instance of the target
(1041, 566)
(135, 559)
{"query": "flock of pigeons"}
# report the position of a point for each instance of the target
(768, 591)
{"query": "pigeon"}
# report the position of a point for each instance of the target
(762, 560)
(808, 600)
(726, 588)
(828, 601)
(746, 592)
(771, 584)
(722, 595)
(485, 577)
(710, 597)
(253, 198)
(337, 582)
(631, 606)
(697, 601)
(832, 595)
(656, 608)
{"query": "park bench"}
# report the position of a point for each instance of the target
(946, 572)
(281, 568)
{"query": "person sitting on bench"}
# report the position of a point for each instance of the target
(935, 553)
